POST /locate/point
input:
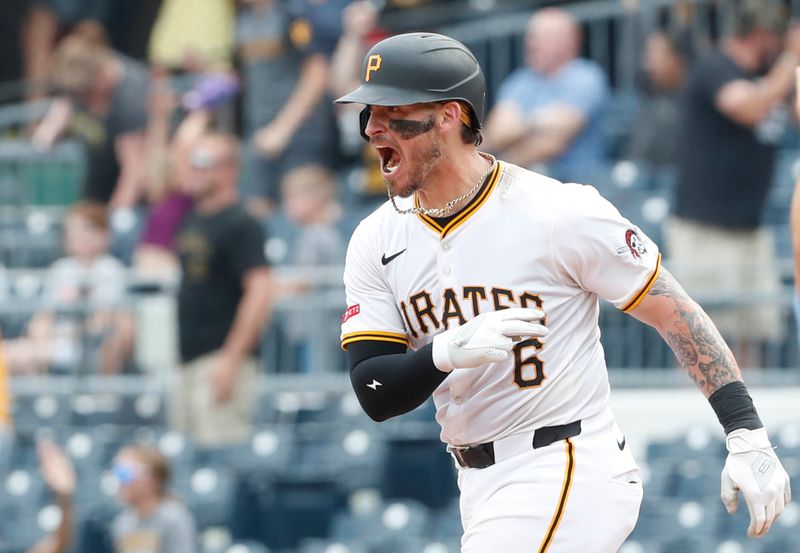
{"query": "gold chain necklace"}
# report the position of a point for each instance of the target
(445, 211)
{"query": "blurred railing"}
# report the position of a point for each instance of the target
(30, 176)
(629, 345)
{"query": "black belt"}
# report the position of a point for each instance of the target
(482, 455)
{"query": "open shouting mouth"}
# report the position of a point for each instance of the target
(390, 160)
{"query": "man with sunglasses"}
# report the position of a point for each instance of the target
(478, 283)
(224, 301)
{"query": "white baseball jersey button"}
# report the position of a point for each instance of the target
(458, 400)
(446, 247)
(446, 271)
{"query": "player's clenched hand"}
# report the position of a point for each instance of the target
(486, 339)
(753, 468)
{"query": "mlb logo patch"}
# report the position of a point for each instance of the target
(351, 311)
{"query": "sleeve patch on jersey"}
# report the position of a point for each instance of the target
(634, 244)
(351, 311)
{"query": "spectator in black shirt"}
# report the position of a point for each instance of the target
(103, 102)
(224, 301)
(726, 158)
(654, 138)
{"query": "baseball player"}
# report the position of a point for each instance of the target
(478, 283)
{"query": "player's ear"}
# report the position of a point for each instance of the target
(451, 113)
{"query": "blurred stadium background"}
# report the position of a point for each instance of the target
(316, 476)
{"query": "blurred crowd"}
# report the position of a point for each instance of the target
(209, 124)
(214, 139)
(286, 175)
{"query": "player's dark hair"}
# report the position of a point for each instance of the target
(470, 134)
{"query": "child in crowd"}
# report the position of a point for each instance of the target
(152, 520)
(83, 324)
(309, 202)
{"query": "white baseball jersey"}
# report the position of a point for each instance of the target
(524, 240)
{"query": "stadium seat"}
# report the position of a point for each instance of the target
(696, 478)
(20, 533)
(98, 409)
(788, 524)
(41, 178)
(410, 544)
(327, 546)
(695, 443)
(639, 545)
(88, 449)
(629, 343)
(663, 518)
(247, 547)
(208, 493)
(247, 517)
(689, 544)
(392, 522)
(419, 469)
(446, 523)
(280, 510)
(267, 448)
(419, 423)
(787, 439)
(178, 448)
(149, 409)
(354, 457)
(737, 545)
(452, 545)
(33, 412)
(22, 491)
(95, 489)
(266, 411)
(94, 529)
(318, 409)
(291, 510)
(780, 544)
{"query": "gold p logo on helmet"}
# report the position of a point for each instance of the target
(373, 64)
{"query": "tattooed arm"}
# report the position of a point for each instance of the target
(690, 333)
(752, 467)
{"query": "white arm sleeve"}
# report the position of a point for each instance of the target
(372, 312)
(602, 252)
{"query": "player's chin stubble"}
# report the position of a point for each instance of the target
(420, 167)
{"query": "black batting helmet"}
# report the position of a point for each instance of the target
(416, 68)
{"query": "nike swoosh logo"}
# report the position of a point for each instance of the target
(386, 260)
(621, 445)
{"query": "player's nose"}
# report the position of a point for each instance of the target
(374, 125)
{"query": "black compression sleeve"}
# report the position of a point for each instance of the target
(734, 407)
(389, 381)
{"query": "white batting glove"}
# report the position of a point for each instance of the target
(753, 468)
(486, 339)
